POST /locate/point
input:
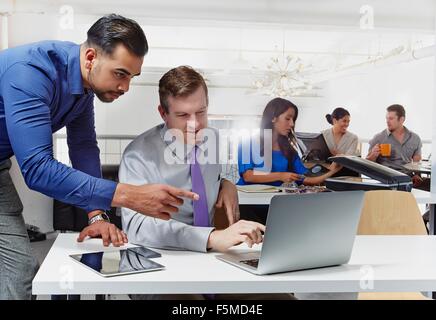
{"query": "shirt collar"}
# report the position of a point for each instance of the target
(74, 73)
(187, 148)
(179, 145)
(406, 132)
(407, 135)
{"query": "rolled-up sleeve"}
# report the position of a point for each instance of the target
(28, 121)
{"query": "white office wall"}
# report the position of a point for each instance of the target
(366, 96)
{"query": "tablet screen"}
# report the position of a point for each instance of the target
(120, 262)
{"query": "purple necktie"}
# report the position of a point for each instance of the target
(201, 212)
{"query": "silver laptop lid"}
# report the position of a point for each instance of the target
(310, 230)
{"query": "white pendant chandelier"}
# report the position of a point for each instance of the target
(284, 77)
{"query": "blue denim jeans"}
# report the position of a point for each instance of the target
(18, 266)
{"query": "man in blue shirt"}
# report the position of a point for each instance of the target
(49, 85)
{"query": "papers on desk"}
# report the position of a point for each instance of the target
(258, 188)
(262, 188)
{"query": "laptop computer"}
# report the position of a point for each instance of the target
(303, 232)
(315, 147)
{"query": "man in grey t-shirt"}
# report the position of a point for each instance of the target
(405, 144)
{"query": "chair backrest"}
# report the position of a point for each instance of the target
(359, 149)
(388, 212)
(70, 218)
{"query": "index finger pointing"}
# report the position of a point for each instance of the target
(183, 193)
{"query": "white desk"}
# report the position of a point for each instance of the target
(393, 263)
(424, 197)
(419, 167)
(245, 198)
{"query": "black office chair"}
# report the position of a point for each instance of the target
(67, 217)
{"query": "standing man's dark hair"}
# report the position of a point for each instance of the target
(109, 31)
(112, 41)
(398, 109)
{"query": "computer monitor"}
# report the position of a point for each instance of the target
(316, 146)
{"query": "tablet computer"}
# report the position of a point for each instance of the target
(120, 262)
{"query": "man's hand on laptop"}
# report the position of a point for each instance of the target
(154, 200)
(249, 232)
(228, 197)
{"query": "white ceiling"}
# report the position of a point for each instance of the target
(402, 14)
(232, 36)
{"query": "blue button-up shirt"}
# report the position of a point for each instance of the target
(41, 91)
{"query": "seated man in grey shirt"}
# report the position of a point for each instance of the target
(405, 144)
(155, 157)
(180, 153)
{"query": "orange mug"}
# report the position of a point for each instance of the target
(385, 149)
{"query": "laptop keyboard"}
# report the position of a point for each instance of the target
(252, 262)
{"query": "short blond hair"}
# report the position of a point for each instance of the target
(180, 82)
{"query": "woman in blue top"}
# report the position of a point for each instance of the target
(274, 159)
(284, 164)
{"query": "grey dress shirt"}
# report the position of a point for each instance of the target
(144, 162)
(401, 152)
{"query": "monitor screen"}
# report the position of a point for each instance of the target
(316, 146)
